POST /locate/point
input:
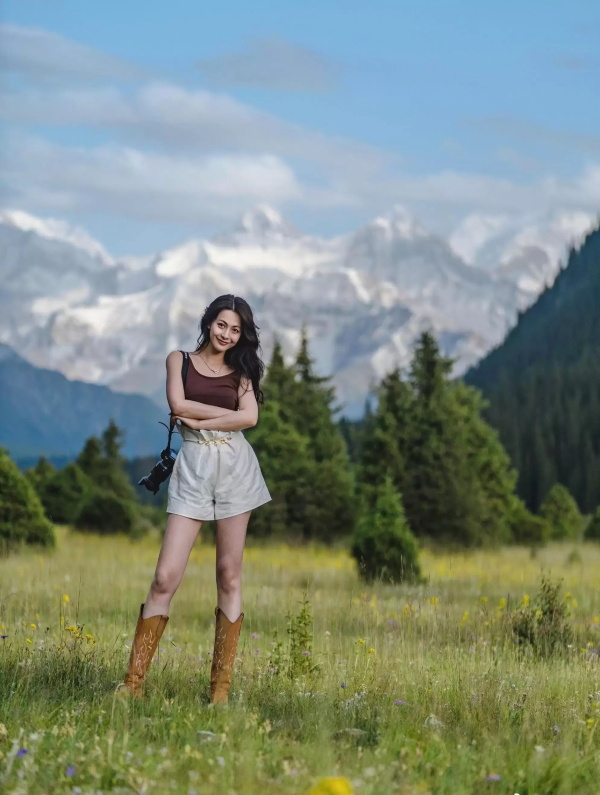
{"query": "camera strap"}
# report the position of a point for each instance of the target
(184, 370)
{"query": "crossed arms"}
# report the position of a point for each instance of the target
(203, 416)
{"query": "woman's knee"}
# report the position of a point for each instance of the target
(228, 577)
(165, 581)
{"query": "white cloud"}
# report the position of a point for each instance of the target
(140, 185)
(273, 64)
(196, 156)
(197, 121)
(42, 56)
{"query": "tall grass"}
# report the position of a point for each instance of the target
(404, 690)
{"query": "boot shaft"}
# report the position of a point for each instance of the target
(227, 635)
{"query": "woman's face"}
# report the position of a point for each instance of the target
(225, 330)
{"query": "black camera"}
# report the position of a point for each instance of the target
(160, 471)
(163, 468)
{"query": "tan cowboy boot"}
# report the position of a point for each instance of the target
(148, 632)
(227, 634)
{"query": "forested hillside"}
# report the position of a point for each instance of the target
(543, 384)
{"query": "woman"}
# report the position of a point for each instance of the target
(216, 476)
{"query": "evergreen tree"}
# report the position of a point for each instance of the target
(543, 385)
(384, 439)
(313, 410)
(279, 385)
(63, 493)
(428, 436)
(22, 518)
(302, 455)
(562, 513)
(102, 462)
(286, 463)
(592, 531)
(40, 473)
(383, 545)
(527, 528)
(104, 512)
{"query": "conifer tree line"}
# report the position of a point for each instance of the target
(543, 385)
(425, 468)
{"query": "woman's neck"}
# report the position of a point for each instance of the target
(213, 356)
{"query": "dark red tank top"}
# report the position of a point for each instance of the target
(217, 390)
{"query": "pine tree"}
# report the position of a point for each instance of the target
(302, 455)
(562, 513)
(64, 492)
(384, 439)
(40, 473)
(428, 435)
(22, 518)
(279, 384)
(592, 531)
(383, 545)
(286, 463)
(102, 462)
(313, 408)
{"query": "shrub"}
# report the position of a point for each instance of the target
(592, 531)
(22, 518)
(63, 492)
(527, 528)
(562, 513)
(383, 545)
(106, 513)
(543, 625)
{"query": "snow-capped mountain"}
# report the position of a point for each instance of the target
(364, 297)
(527, 252)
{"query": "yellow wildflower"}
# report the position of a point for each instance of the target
(66, 597)
(28, 640)
(332, 785)
(434, 600)
(32, 626)
(360, 640)
(483, 599)
(371, 651)
(525, 600)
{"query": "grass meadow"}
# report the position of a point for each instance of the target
(387, 690)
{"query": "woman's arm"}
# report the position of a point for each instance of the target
(181, 407)
(245, 417)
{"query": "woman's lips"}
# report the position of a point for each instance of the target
(222, 341)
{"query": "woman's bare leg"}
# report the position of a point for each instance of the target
(174, 554)
(231, 538)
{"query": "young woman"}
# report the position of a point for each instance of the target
(216, 476)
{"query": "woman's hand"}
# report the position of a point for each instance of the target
(195, 425)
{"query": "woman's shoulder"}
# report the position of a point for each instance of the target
(174, 356)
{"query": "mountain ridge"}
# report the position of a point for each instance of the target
(113, 323)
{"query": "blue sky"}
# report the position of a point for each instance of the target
(149, 123)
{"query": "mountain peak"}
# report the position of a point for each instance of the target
(399, 222)
(258, 223)
(54, 229)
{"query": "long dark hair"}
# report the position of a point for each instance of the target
(245, 353)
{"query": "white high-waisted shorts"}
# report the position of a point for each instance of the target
(216, 475)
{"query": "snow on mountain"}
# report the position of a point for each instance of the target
(525, 251)
(53, 229)
(364, 297)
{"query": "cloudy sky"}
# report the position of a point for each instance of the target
(148, 123)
